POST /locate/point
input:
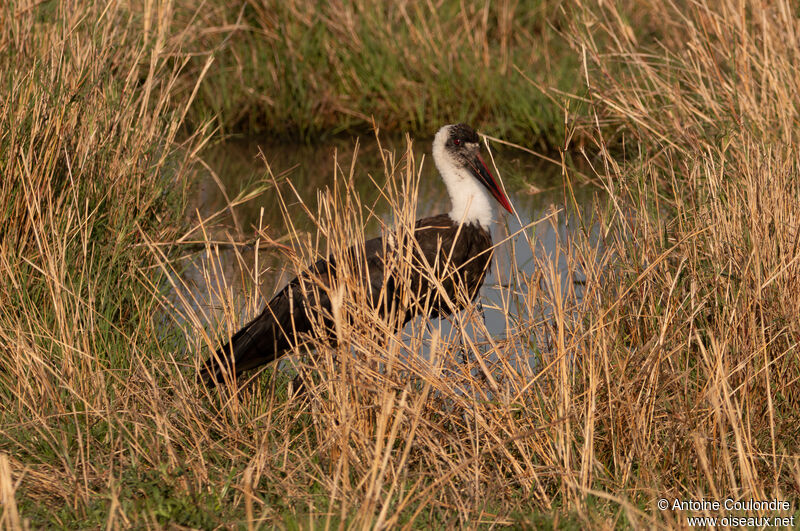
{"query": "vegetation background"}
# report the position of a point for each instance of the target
(673, 375)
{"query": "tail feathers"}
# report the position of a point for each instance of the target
(260, 341)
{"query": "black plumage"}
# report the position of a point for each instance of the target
(448, 260)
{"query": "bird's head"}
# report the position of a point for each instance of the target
(457, 154)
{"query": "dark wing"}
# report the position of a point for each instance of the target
(288, 315)
(458, 257)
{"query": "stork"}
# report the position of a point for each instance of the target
(456, 247)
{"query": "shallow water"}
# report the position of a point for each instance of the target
(535, 188)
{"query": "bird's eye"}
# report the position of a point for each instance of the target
(456, 142)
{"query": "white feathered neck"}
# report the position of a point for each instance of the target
(470, 199)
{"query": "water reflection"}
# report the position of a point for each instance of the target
(535, 188)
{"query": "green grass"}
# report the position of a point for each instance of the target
(311, 69)
(675, 375)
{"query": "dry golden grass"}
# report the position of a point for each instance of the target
(671, 372)
(703, 363)
(395, 425)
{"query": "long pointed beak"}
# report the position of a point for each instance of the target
(482, 173)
